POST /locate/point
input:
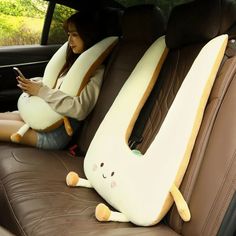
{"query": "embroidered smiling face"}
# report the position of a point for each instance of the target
(105, 174)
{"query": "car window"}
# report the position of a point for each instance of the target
(56, 33)
(21, 22)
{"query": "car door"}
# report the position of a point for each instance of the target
(28, 39)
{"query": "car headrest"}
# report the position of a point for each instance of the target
(199, 21)
(142, 23)
(110, 20)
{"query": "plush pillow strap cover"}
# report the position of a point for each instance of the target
(143, 188)
(35, 112)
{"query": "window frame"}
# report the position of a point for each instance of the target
(47, 22)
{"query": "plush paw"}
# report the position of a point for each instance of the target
(184, 213)
(181, 204)
(72, 179)
(68, 127)
(102, 212)
(16, 138)
(69, 130)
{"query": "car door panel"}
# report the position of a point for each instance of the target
(31, 60)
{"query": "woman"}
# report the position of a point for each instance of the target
(82, 34)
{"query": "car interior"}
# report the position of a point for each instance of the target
(34, 197)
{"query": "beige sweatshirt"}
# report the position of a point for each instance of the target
(75, 107)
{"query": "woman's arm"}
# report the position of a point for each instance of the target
(76, 107)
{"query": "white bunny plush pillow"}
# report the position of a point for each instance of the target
(114, 170)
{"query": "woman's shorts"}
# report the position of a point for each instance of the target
(56, 139)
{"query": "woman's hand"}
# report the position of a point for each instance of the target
(29, 86)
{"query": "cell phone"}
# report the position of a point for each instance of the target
(18, 72)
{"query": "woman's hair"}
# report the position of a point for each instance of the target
(88, 27)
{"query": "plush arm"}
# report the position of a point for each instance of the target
(75, 107)
(73, 180)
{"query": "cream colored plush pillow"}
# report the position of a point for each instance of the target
(143, 188)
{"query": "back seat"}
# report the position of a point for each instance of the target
(34, 198)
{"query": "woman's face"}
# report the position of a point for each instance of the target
(74, 40)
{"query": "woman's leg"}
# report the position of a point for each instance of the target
(9, 127)
(10, 116)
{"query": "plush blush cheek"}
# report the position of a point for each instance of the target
(113, 184)
(95, 167)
